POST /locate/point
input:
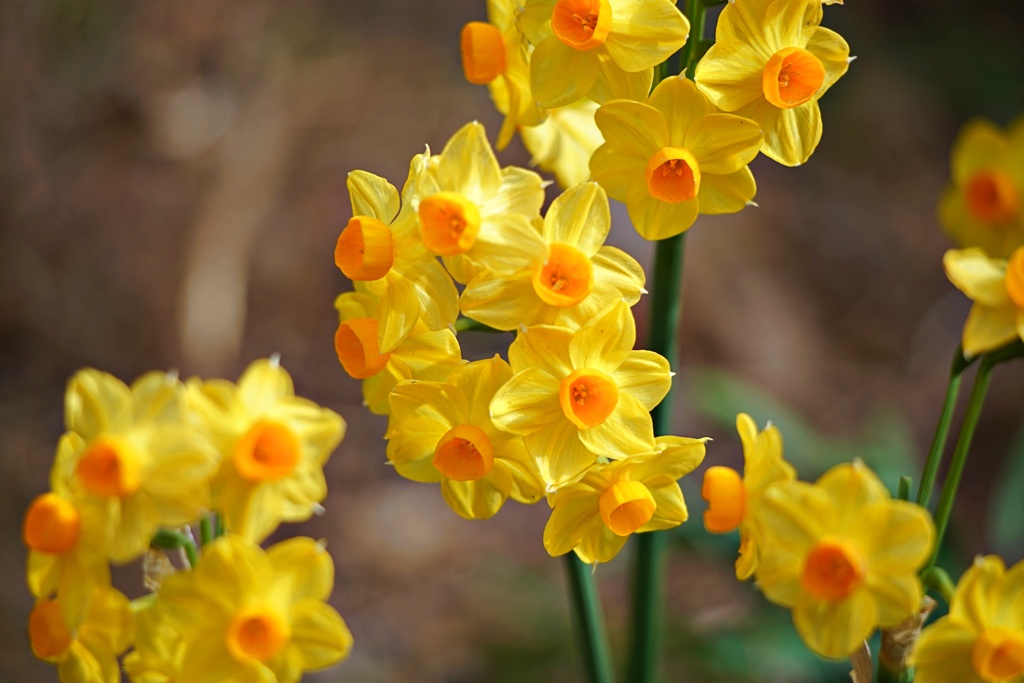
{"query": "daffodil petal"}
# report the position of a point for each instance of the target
(835, 629)
(680, 103)
(645, 33)
(544, 347)
(645, 375)
(372, 196)
(527, 403)
(613, 83)
(636, 128)
(730, 193)
(943, 654)
(655, 219)
(573, 517)
(560, 74)
(987, 329)
(560, 454)
(580, 218)
(730, 74)
(980, 277)
(723, 143)
(606, 341)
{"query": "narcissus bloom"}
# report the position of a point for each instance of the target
(571, 281)
(564, 142)
(133, 458)
(380, 249)
(596, 515)
(997, 289)
(982, 206)
(273, 443)
(85, 651)
(472, 212)
(982, 638)
(843, 555)
(442, 432)
(156, 657)
(734, 501)
(249, 615)
(66, 552)
(771, 62)
(495, 53)
(577, 396)
(421, 355)
(674, 157)
(601, 49)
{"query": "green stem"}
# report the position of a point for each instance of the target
(888, 675)
(963, 447)
(903, 492)
(695, 10)
(218, 529)
(205, 530)
(589, 621)
(172, 540)
(931, 467)
(468, 324)
(938, 580)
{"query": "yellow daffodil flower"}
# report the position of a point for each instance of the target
(997, 289)
(596, 515)
(577, 396)
(249, 615)
(156, 657)
(380, 249)
(982, 638)
(843, 555)
(674, 157)
(982, 206)
(422, 355)
(771, 62)
(471, 212)
(571, 281)
(273, 446)
(495, 53)
(563, 143)
(84, 651)
(734, 501)
(442, 432)
(601, 49)
(66, 547)
(133, 462)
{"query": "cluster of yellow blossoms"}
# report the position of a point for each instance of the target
(136, 468)
(983, 211)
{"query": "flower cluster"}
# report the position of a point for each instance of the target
(136, 468)
(841, 553)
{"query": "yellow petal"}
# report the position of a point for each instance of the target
(560, 454)
(680, 104)
(851, 487)
(835, 629)
(521, 192)
(730, 74)
(723, 143)
(580, 218)
(544, 347)
(978, 145)
(534, 19)
(627, 430)
(560, 74)
(943, 654)
(833, 52)
(981, 278)
(730, 193)
(655, 219)
(309, 565)
(907, 541)
(613, 83)
(372, 196)
(606, 341)
(527, 403)
(319, 634)
(507, 243)
(790, 135)
(632, 128)
(791, 24)
(574, 516)
(896, 596)
(398, 311)
(670, 510)
(467, 163)
(479, 499)
(977, 592)
(617, 170)
(645, 33)
(262, 384)
(503, 302)
(96, 402)
(987, 329)
(437, 296)
(645, 375)
(479, 381)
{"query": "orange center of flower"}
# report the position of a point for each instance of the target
(727, 499)
(588, 397)
(565, 278)
(48, 631)
(365, 249)
(1015, 277)
(791, 77)
(51, 524)
(450, 223)
(832, 570)
(464, 453)
(483, 52)
(256, 634)
(109, 467)
(626, 506)
(582, 24)
(267, 452)
(991, 196)
(358, 349)
(673, 175)
(998, 654)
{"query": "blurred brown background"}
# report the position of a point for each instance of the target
(172, 181)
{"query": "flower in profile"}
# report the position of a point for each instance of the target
(422, 355)
(981, 207)
(734, 501)
(771, 62)
(495, 53)
(595, 515)
(248, 615)
(674, 157)
(380, 249)
(273, 445)
(133, 462)
(981, 640)
(843, 555)
(571, 281)
(84, 651)
(442, 432)
(563, 143)
(471, 212)
(577, 396)
(601, 49)
(997, 289)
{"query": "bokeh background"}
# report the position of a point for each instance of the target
(172, 181)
